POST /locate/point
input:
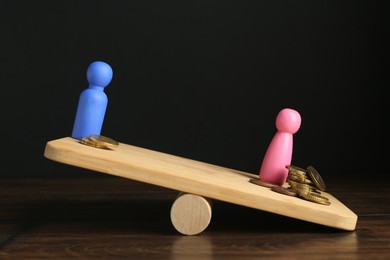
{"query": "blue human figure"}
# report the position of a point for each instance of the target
(93, 101)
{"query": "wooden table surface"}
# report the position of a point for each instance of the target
(116, 218)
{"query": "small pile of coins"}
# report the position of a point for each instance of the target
(99, 141)
(307, 184)
(303, 183)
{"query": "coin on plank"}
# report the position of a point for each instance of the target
(316, 178)
(86, 141)
(283, 190)
(261, 183)
(315, 197)
(103, 140)
(301, 186)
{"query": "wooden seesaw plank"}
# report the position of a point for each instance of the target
(191, 176)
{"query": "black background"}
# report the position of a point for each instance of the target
(200, 79)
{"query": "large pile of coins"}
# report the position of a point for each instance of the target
(99, 141)
(303, 183)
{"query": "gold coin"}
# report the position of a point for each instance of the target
(296, 170)
(301, 191)
(300, 179)
(89, 142)
(103, 139)
(285, 191)
(316, 178)
(300, 186)
(261, 183)
(314, 197)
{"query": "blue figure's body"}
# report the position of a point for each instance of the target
(93, 101)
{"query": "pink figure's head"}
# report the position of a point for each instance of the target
(288, 120)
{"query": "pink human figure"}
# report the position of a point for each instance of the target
(279, 153)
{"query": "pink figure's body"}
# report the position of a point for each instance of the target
(279, 153)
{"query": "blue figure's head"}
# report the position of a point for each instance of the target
(99, 74)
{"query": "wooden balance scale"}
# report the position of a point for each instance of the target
(197, 183)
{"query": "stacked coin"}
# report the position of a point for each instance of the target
(307, 184)
(99, 141)
(303, 183)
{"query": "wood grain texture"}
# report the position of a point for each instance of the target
(191, 213)
(196, 177)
